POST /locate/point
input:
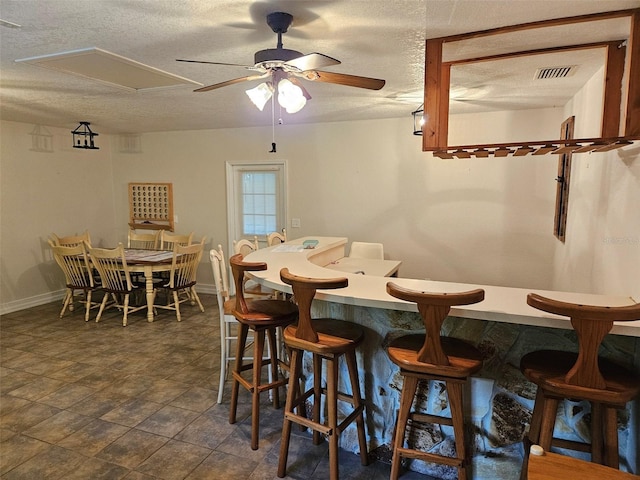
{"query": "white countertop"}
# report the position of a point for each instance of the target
(501, 304)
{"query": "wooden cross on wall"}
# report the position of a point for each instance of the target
(564, 181)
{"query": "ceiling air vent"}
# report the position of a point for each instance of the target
(554, 72)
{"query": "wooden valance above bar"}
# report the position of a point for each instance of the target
(621, 98)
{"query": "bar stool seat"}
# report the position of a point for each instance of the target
(328, 340)
(464, 359)
(431, 356)
(581, 376)
(263, 317)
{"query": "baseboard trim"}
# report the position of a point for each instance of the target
(49, 297)
(30, 302)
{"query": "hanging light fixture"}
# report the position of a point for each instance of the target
(83, 137)
(261, 94)
(418, 120)
(292, 96)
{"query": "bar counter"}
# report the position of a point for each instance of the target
(503, 327)
(501, 304)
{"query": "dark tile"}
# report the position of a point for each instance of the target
(27, 416)
(67, 396)
(131, 412)
(99, 378)
(96, 469)
(131, 385)
(36, 389)
(93, 437)
(13, 379)
(223, 465)
(174, 460)
(99, 404)
(164, 391)
(17, 450)
(76, 371)
(131, 449)
(52, 462)
(133, 475)
(136, 403)
(58, 426)
(207, 430)
(167, 421)
(196, 399)
(8, 404)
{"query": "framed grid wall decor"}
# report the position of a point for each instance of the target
(151, 206)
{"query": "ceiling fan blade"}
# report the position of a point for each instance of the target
(213, 63)
(312, 61)
(344, 79)
(231, 82)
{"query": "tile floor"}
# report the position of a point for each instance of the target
(101, 401)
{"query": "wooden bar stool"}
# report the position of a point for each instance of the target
(580, 376)
(327, 339)
(432, 357)
(263, 317)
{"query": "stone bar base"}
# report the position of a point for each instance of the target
(499, 400)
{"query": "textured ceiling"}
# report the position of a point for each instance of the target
(373, 38)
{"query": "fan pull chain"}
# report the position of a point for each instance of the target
(273, 126)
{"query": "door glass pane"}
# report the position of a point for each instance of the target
(259, 202)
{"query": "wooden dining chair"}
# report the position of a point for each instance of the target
(168, 239)
(182, 277)
(70, 240)
(146, 241)
(116, 280)
(74, 263)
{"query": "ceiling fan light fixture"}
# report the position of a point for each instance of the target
(261, 94)
(291, 97)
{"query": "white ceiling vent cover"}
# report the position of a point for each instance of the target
(545, 73)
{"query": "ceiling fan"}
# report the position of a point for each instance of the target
(282, 68)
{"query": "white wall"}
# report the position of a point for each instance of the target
(480, 221)
(601, 252)
(486, 221)
(64, 192)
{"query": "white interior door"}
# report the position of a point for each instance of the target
(256, 200)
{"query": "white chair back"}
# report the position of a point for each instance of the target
(367, 250)
(275, 238)
(244, 246)
(221, 280)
